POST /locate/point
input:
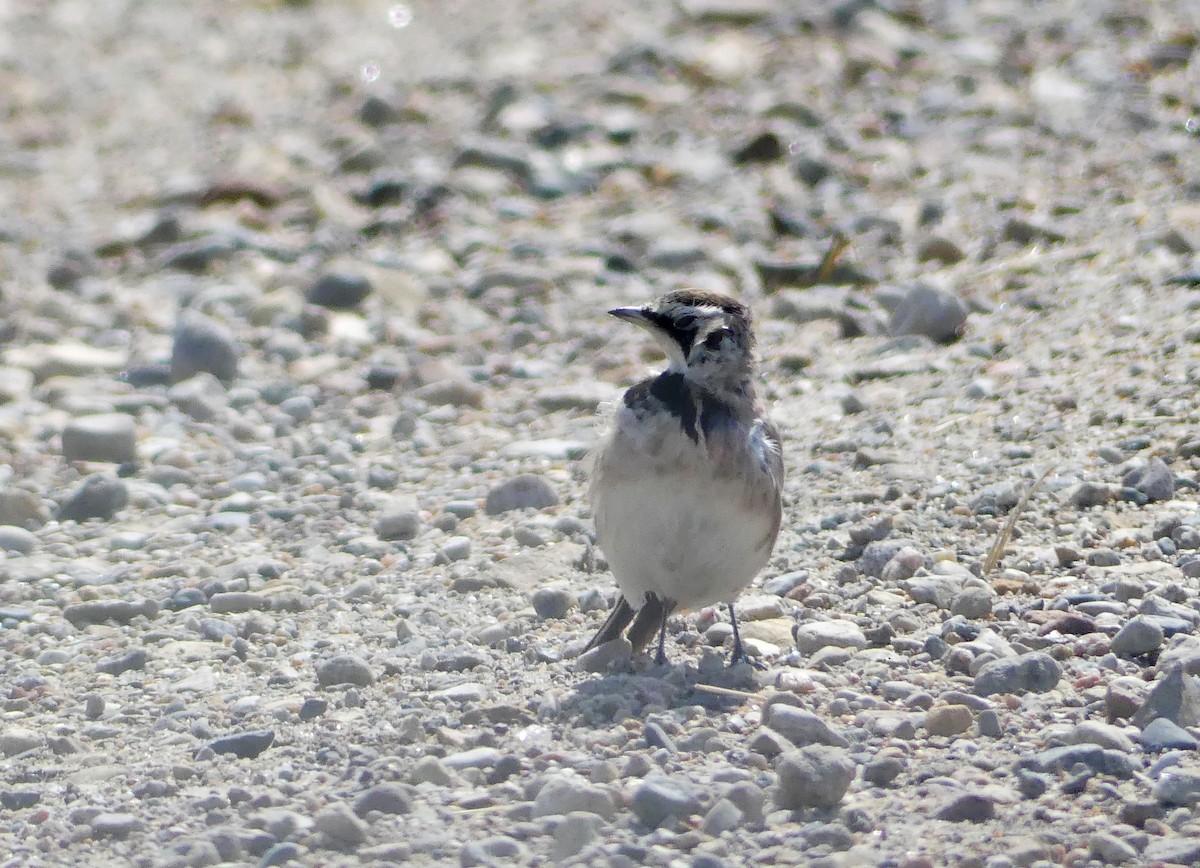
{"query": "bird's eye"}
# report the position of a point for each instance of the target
(713, 341)
(685, 322)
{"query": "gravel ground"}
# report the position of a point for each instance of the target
(303, 334)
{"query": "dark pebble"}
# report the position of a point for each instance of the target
(99, 611)
(201, 344)
(338, 290)
(135, 659)
(312, 708)
(96, 497)
(246, 745)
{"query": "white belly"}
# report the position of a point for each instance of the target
(683, 536)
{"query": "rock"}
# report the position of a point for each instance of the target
(202, 397)
(968, 808)
(452, 393)
(1175, 696)
(99, 611)
(1154, 479)
(100, 437)
(1104, 734)
(96, 497)
(815, 635)
(338, 822)
(568, 793)
(723, 816)
(21, 508)
(19, 800)
(1162, 734)
(939, 249)
(1123, 697)
(816, 776)
(114, 825)
(130, 661)
(881, 771)
(1101, 761)
(658, 798)
(1110, 849)
(1089, 494)
(801, 727)
(947, 720)
(432, 770)
(245, 745)
(455, 548)
(15, 741)
(521, 492)
(572, 834)
(17, 539)
(1035, 672)
(202, 344)
(238, 601)
(552, 603)
(339, 290)
(973, 602)
(344, 669)
(1176, 787)
(312, 708)
(399, 520)
(1172, 850)
(937, 314)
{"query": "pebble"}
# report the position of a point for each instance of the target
(129, 661)
(15, 741)
(816, 776)
(520, 492)
(100, 437)
(723, 816)
(338, 290)
(237, 601)
(567, 793)
(658, 798)
(967, 808)
(386, 798)
(881, 771)
(245, 745)
(935, 313)
(432, 770)
(455, 548)
(610, 656)
(814, 636)
(1175, 696)
(114, 825)
(344, 669)
(17, 539)
(1176, 787)
(1154, 480)
(339, 823)
(399, 520)
(1110, 849)
(948, 720)
(573, 834)
(21, 508)
(99, 611)
(97, 496)
(973, 603)
(201, 344)
(1034, 672)
(1104, 734)
(552, 603)
(801, 727)
(1162, 735)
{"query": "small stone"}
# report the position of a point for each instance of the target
(935, 313)
(1175, 696)
(939, 249)
(432, 770)
(816, 776)
(973, 603)
(237, 601)
(455, 548)
(339, 290)
(313, 708)
(1154, 479)
(201, 344)
(881, 771)
(723, 816)
(815, 635)
(1104, 734)
(344, 669)
(1162, 735)
(14, 741)
(388, 798)
(572, 834)
(339, 823)
(1176, 787)
(967, 808)
(1089, 494)
(1110, 849)
(96, 497)
(552, 603)
(99, 611)
(947, 720)
(19, 800)
(521, 492)
(114, 825)
(658, 798)
(17, 539)
(567, 793)
(93, 707)
(21, 508)
(399, 520)
(245, 745)
(1035, 672)
(283, 853)
(616, 654)
(101, 437)
(801, 727)
(131, 660)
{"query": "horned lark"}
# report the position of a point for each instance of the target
(686, 484)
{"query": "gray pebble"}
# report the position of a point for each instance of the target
(567, 793)
(801, 727)
(15, 741)
(201, 344)
(816, 776)
(881, 771)
(237, 601)
(1035, 672)
(498, 850)
(723, 816)
(21, 508)
(245, 745)
(967, 808)
(1175, 787)
(552, 603)
(973, 603)
(17, 539)
(1104, 734)
(19, 800)
(658, 798)
(400, 520)
(815, 635)
(339, 823)
(114, 825)
(572, 834)
(131, 660)
(100, 437)
(99, 611)
(1110, 849)
(432, 770)
(616, 654)
(339, 290)
(96, 497)
(281, 854)
(937, 314)
(344, 669)
(93, 707)
(1162, 734)
(1172, 851)
(521, 492)
(388, 798)
(1175, 696)
(1154, 479)
(455, 548)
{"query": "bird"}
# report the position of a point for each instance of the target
(686, 482)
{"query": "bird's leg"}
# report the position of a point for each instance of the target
(668, 606)
(739, 653)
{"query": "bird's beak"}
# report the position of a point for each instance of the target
(635, 315)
